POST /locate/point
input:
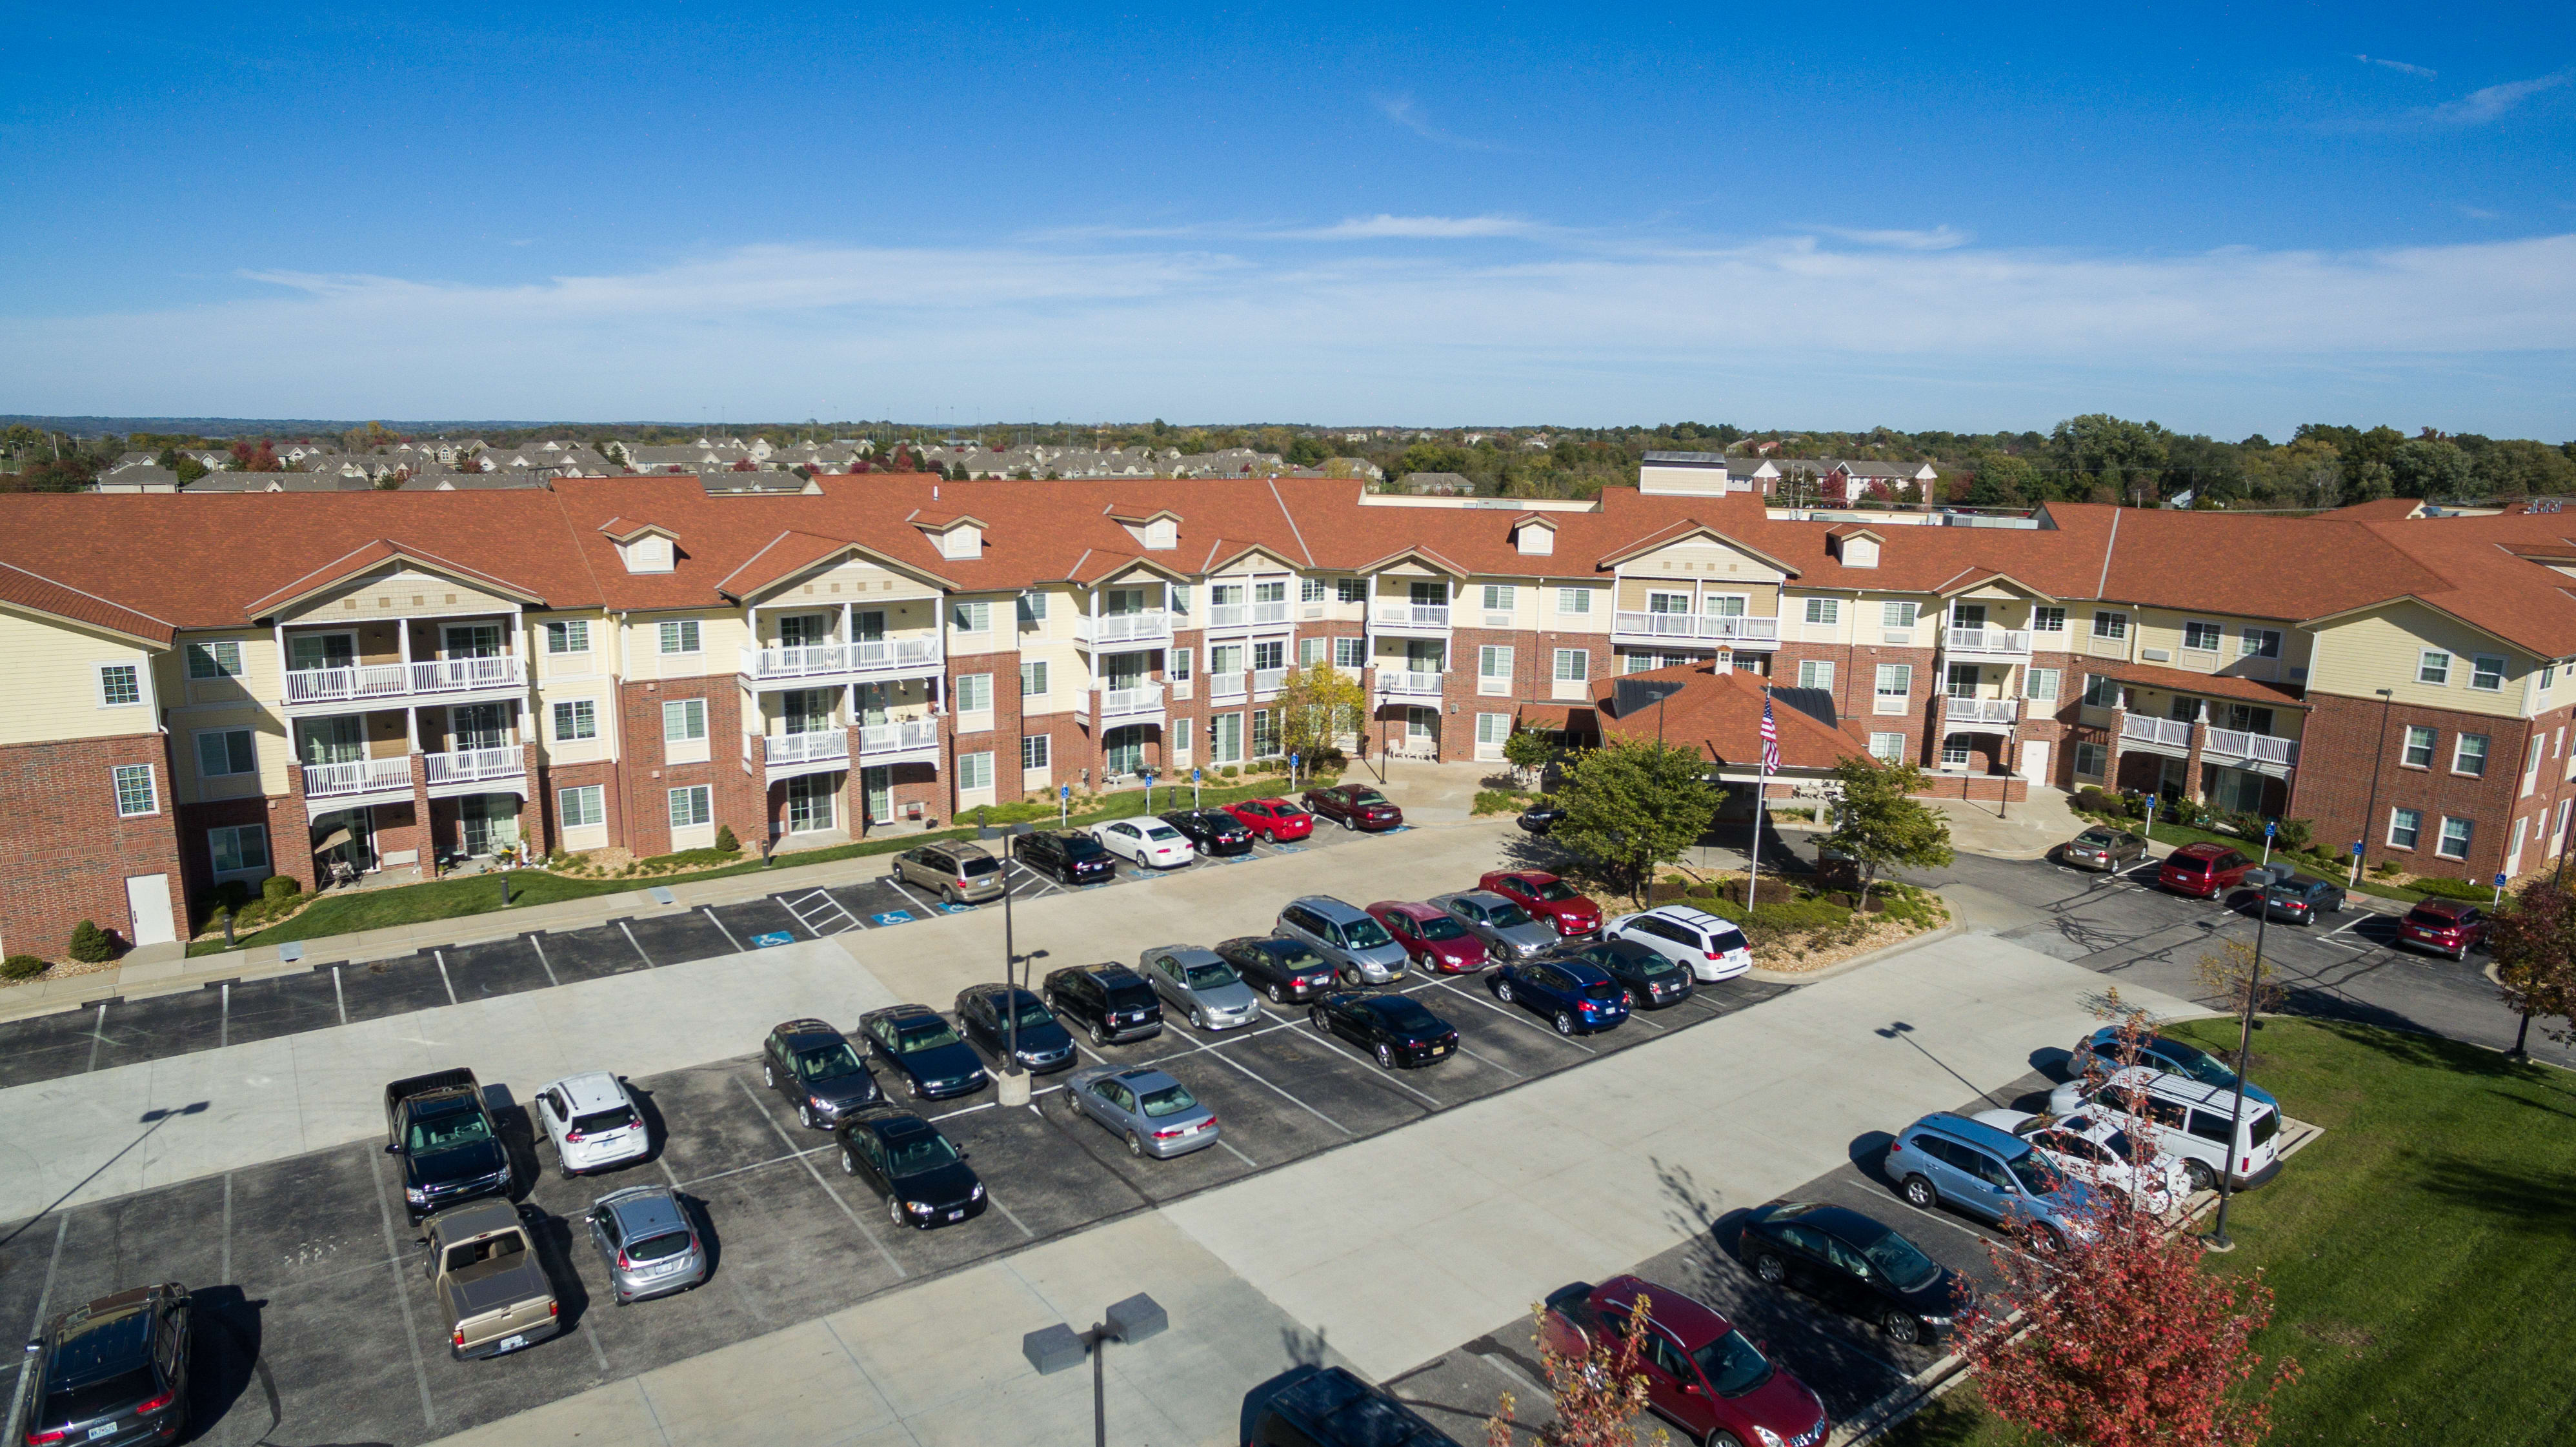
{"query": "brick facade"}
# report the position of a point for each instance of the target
(74, 854)
(2346, 805)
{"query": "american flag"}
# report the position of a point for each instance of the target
(1770, 737)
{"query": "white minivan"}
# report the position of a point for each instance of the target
(2189, 1121)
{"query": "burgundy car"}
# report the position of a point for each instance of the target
(2447, 925)
(1273, 819)
(1701, 1374)
(1431, 937)
(1354, 806)
(2204, 871)
(1548, 898)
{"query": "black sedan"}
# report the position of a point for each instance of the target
(985, 1012)
(1852, 1262)
(1653, 980)
(920, 1043)
(1066, 857)
(2302, 898)
(1541, 818)
(1214, 833)
(2102, 848)
(1394, 1028)
(924, 1179)
(1283, 969)
(115, 1370)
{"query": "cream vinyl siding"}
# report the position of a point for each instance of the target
(1595, 621)
(2358, 656)
(268, 742)
(1001, 636)
(258, 680)
(540, 726)
(397, 593)
(593, 662)
(1067, 677)
(1867, 621)
(53, 682)
(721, 637)
(1794, 624)
(2153, 629)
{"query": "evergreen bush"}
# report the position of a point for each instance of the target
(90, 944)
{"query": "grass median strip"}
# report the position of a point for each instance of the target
(2421, 1253)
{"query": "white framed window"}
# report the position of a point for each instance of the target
(684, 720)
(1954, 751)
(1896, 613)
(239, 848)
(1350, 653)
(1033, 680)
(975, 617)
(692, 806)
(576, 719)
(2101, 690)
(1310, 590)
(2405, 827)
(222, 752)
(1498, 597)
(1180, 665)
(1032, 607)
(582, 805)
(135, 795)
(2040, 685)
(2548, 676)
(1265, 733)
(1351, 590)
(1494, 661)
(1574, 600)
(1573, 665)
(1036, 750)
(219, 659)
(1180, 596)
(1887, 747)
(2092, 759)
(679, 635)
(2419, 747)
(1639, 663)
(1310, 651)
(2109, 625)
(975, 771)
(2456, 834)
(2486, 672)
(974, 692)
(120, 685)
(1825, 610)
(2259, 643)
(1895, 684)
(1225, 739)
(1273, 591)
(568, 635)
(1492, 729)
(2433, 666)
(2199, 637)
(2469, 755)
(1266, 656)
(2047, 620)
(1815, 673)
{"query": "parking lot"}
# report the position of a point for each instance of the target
(305, 1342)
(122, 1032)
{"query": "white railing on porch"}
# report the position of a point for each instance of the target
(897, 738)
(1413, 615)
(1145, 698)
(465, 766)
(805, 748)
(363, 776)
(396, 680)
(2001, 642)
(2236, 744)
(1123, 627)
(1406, 683)
(2172, 733)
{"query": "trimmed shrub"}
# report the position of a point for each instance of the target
(1230, 771)
(23, 967)
(91, 945)
(2468, 889)
(277, 889)
(725, 842)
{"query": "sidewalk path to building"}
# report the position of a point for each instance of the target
(1382, 1253)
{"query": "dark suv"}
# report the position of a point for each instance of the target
(114, 1371)
(815, 1069)
(1112, 1001)
(1066, 857)
(1329, 1407)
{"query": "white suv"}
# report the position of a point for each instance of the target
(1711, 947)
(2188, 1121)
(593, 1122)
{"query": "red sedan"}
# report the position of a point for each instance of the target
(1431, 936)
(1546, 897)
(1701, 1373)
(2204, 871)
(2448, 925)
(1273, 819)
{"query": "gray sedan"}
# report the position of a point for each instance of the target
(1155, 1114)
(1199, 983)
(644, 1238)
(1507, 929)
(2102, 848)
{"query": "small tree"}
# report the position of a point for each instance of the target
(726, 843)
(2534, 947)
(1881, 824)
(1597, 1393)
(2223, 972)
(1634, 805)
(1528, 751)
(91, 945)
(1318, 704)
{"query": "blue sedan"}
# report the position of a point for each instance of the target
(1577, 998)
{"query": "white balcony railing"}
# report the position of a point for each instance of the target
(2234, 746)
(1404, 683)
(1990, 642)
(1413, 615)
(805, 748)
(1151, 625)
(364, 776)
(399, 680)
(814, 660)
(1228, 615)
(1124, 702)
(1980, 710)
(2170, 733)
(1264, 614)
(467, 766)
(1266, 681)
(1697, 627)
(911, 736)
(1225, 685)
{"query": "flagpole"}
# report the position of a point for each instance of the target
(1761, 800)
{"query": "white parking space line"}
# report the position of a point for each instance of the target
(1513, 1012)
(1238, 1155)
(1283, 1095)
(754, 1166)
(451, 984)
(337, 998)
(1638, 1017)
(1096, 1056)
(630, 939)
(2352, 923)
(1374, 1071)
(1046, 886)
(542, 961)
(17, 1392)
(901, 889)
(816, 910)
(592, 1337)
(997, 1205)
(402, 1297)
(963, 1110)
(720, 928)
(808, 1164)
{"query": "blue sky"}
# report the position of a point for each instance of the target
(2227, 219)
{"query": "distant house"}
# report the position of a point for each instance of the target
(1849, 481)
(1437, 484)
(143, 476)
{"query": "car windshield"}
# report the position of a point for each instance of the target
(831, 1062)
(1732, 1365)
(1033, 1012)
(1081, 846)
(1406, 1015)
(914, 1154)
(1289, 954)
(2192, 1064)
(1651, 964)
(1507, 915)
(1130, 997)
(1905, 1267)
(1366, 797)
(448, 1131)
(1366, 934)
(103, 1354)
(1162, 832)
(918, 1035)
(2432, 918)
(616, 1117)
(1443, 928)
(2097, 838)
(1554, 892)
(979, 865)
(1211, 975)
(656, 1248)
(1725, 939)
(2036, 1175)
(1172, 1099)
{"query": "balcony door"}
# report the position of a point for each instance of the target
(810, 799)
(870, 626)
(1967, 615)
(480, 726)
(1428, 595)
(804, 630)
(1723, 605)
(487, 821)
(1668, 602)
(340, 740)
(1123, 749)
(809, 711)
(872, 703)
(1126, 670)
(1121, 602)
(473, 640)
(322, 650)
(1425, 655)
(1963, 679)
(2246, 718)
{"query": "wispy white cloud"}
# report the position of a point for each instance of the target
(2481, 106)
(2480, 213)
(1939, 238)
(2397, 65)
(1436, 228)
(1402, 110)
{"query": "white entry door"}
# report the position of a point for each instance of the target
(2034, 760)
(147, 907)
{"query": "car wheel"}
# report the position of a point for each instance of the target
(1135, 1145)
(894, 1210)
(2202, 1178)
(1629, 997)
(849, 1162)
(1719, 1437)
(2045, 1239)
(565, 1170)
(1277, 995)
(621, 1300)
(1196, 1019)
(1919, 1194)
(1347, 825)
(769, 1075)
(1901, 1328)
(1503, 991)
(1564, 1023)
(805, 1117)
(1322, 1026)
(1770, 1270)
(948, 895)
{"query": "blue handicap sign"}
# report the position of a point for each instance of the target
(772, 940)
(1067, 791)
(1194, 776)
(2499, 881)
(2270, 826)
(2356, 849)
(893, 916)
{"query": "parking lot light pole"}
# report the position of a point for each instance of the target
(1012, 1088)
(2262, 879)
(1055, 1348)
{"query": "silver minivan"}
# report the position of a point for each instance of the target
(958, 872)
(1355, 944)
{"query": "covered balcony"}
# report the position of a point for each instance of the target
(1404, 684)
(786, 756)
(477, 771)
(1134, 704)
(899, 741)
(1987, 645)
(1696, 630)
(2245, 749)
(396, 661)
(359, 781)
(2147, 733)
(802, 644)
(1979, 715)
(1151, 628)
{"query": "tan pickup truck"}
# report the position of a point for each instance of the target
(493, 1289)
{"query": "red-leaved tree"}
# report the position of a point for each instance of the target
(2534, 947)
(1598, 1393)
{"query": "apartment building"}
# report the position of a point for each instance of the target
(221, 687)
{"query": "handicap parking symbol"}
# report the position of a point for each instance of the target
(772, 940)
(1288, 848)
(953, 909)
(896, 916)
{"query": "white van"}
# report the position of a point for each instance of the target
(2189, 1121)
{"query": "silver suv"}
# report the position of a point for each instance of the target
(957, 872)
(1507, 929)
(1357, 947)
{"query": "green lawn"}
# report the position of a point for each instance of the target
(481, 894)
(2422, 1253)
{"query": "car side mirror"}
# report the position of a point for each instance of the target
(393, 1148)
(35, 1345)
(1690, 1388)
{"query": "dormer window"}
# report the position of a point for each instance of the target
(1158, 531)
(962, 541)
(1855, 547)
(1535, 537)
(642, 547)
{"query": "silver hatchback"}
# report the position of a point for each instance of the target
(1507, 929)
(644, 1236)
(1200, 985)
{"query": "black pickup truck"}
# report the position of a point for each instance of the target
(450, 1148)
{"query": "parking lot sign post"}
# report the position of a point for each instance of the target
(1063, 804)
(1013, 1087)
(2262, 880)
(1059, 1347)
(1194, 788)
(2355, 876)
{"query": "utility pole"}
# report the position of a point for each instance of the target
(2370, 811)
(2244, 1056)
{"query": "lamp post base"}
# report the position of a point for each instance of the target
(1012, 1088)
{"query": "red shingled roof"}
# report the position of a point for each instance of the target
(1721, 715)
(44, 595)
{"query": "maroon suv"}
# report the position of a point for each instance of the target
(2204, 871)
(1701, 1373)
(2448, 925)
